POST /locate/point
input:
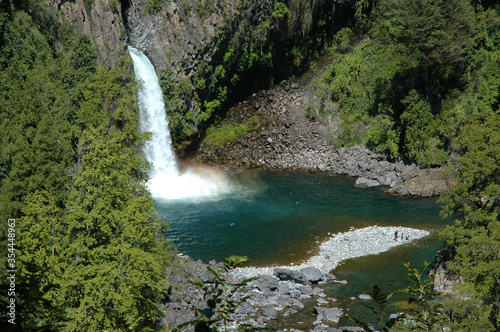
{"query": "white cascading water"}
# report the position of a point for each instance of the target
(166, 180)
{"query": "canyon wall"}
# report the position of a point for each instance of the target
(102, 20)
(173, 36)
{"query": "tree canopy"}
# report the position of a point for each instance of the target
(90, 249)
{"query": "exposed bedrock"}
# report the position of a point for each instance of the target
(174, 37)
(443, 279)
(101, 20)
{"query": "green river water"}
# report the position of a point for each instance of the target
(281, 218)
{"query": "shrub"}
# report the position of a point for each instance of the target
(229, 133)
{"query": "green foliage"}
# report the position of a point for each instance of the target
(360, 84)
(88, 4)
(300, 16)
(180, 104)
(476, 237)
(233, 262)
(280, 10)
(186, 7)
(90, 249)
(434, 30)
(383, 136)
(154, 6)
(408, 88)
(466, 313)
(476, 170)
(344, 39)
(229, 133)
(204, 8)
(420, 141)
(425, 312)
(381, 300)
(428, 313)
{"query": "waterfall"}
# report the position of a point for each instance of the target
(153, 117)
(166, 181)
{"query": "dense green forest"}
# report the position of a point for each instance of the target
(417, 80)
(423, 84)
(90, 251)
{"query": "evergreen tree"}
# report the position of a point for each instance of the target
(436, 32)
(90, 248)
(476, 238)
(114, 247)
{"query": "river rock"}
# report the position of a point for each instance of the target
(283, 288)
(329, 314)
(295, 293)
(293, 275)
(206, 277)
(296, 303)
(321, 301)
(312, 274)
(269, 312)
(306, 290)
(266, 282)
(327, 277)
(364, 297)
(366, 183)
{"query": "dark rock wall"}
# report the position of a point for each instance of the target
(102, 20)
(172, 37)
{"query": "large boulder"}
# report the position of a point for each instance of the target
(425, 183)
(269, 312)
(266, 282)
(312, 274)
(293, 275)
(329, 314)
(366, 183)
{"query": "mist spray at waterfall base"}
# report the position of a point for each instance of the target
(166, 179)
(193, 183)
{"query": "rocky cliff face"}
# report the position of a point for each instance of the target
(102, 20)
(443, 280)
(174, 37)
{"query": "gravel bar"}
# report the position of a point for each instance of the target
(354, 243)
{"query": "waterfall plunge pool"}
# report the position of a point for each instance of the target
(281, 218)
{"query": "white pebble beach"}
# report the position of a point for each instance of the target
(342, 246)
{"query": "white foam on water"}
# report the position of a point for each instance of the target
(191, 184)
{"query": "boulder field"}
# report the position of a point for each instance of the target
(282, 294)
(285, 139)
